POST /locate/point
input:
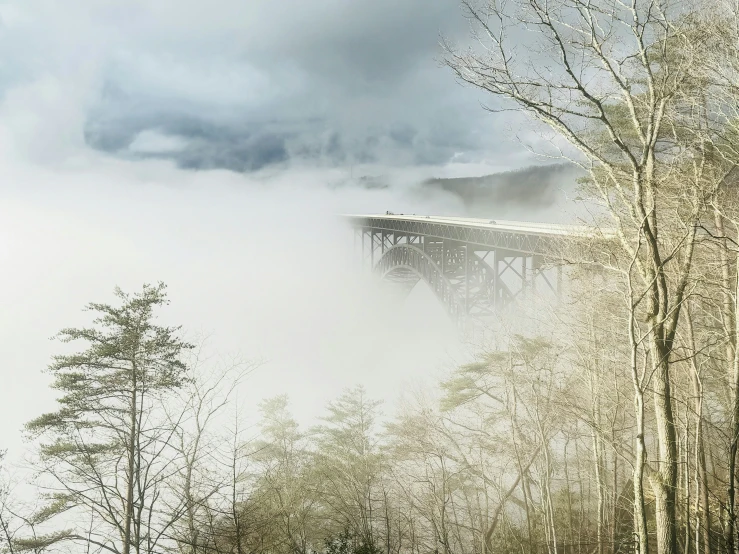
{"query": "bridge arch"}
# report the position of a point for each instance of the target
(474, 267)
(408, 264)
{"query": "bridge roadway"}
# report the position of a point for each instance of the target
(475, 267)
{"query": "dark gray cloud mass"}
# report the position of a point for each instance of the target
(247, 85)
(324, 82)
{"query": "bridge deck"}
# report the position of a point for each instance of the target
(518, 236)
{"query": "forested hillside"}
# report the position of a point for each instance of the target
(533, 187)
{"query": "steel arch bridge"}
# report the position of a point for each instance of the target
(475, 267)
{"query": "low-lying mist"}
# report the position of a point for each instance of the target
(260, 263)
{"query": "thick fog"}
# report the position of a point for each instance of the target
(266, 270)
(258, 261)
(217, 146)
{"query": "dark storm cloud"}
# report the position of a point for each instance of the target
(370, 45)
(328, 82)
(205, 145)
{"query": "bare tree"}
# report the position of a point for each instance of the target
(615, 80)
(204, 479)
(7, 531)
(107, 448)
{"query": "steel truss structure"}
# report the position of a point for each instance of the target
(474, 267)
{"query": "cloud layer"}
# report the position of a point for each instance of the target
(251, 85)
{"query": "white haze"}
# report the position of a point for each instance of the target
(261, 264)
(265, 270)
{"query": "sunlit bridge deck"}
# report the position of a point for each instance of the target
(474, 266)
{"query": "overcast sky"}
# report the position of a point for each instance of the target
(246, 85)
(208, 144)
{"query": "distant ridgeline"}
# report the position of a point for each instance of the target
(536, 186)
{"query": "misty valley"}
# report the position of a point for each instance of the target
(273, 282)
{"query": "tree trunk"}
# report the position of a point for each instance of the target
(730, 501)
(598, 455)
(701, 512)
(614, 503)
(568, 488)
(131, 460)
(686, 486)
(640, 516)
(732, 325)
(664, 481)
